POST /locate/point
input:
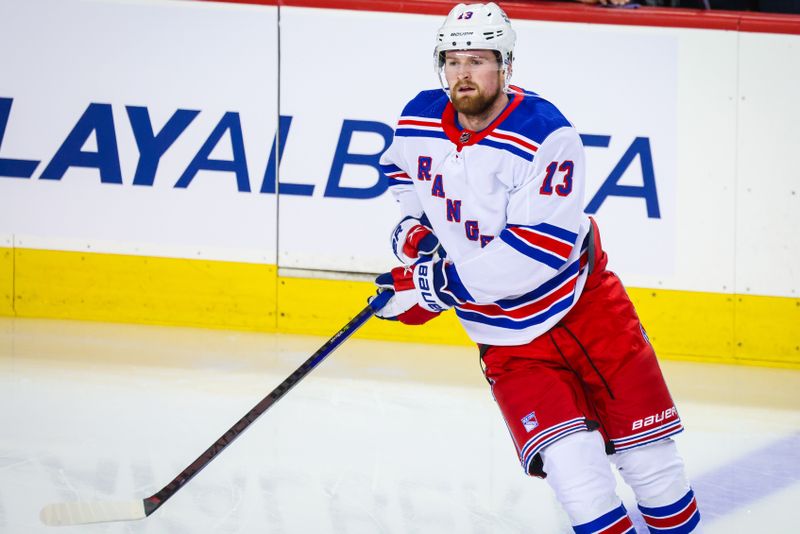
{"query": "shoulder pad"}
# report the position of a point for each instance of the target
(429, 104)
(535, 118)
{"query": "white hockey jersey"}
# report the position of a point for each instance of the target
(506, 204)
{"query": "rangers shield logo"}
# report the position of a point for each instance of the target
(529, 421)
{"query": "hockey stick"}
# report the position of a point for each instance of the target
(77, 513)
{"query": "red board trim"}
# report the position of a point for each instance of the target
(567, 12)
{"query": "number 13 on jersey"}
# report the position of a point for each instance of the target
(564, 171)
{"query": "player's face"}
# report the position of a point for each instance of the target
(475, 79)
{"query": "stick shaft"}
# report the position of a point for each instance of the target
(152, 503)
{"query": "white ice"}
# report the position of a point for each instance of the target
(381, 438)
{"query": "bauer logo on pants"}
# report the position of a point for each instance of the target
(530, 422)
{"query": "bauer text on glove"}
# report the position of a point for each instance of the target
(421, 291)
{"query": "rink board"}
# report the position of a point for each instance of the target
(6, 278)
(691, 325)
(264, 175)
(124, 288)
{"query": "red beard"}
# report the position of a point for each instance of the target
(474, 102)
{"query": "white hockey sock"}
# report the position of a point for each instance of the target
(656, 474)
(579, 472)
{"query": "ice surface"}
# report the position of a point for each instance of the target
(382, 438)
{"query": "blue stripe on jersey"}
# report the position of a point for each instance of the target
(555, 231)
(543, 289)
(428, 104)
(410, 132)
(395, 181)
(551, 260)
(455, 285)
(505, 146)
(390, 168)
(601, 522)
(535, 118)
(511, 324)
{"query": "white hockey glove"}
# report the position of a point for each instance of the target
(413, 240)
(421, 292)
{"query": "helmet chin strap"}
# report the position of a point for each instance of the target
(507, 78)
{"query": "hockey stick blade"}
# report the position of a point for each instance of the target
(77, 513)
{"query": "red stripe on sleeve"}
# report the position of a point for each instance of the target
(548, 243)
(528, 310)
(411, 122)
(516, 140)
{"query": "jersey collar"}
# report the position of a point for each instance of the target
(465, 137)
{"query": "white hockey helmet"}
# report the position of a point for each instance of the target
(476, 27)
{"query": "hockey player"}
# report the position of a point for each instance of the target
(494, 175)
